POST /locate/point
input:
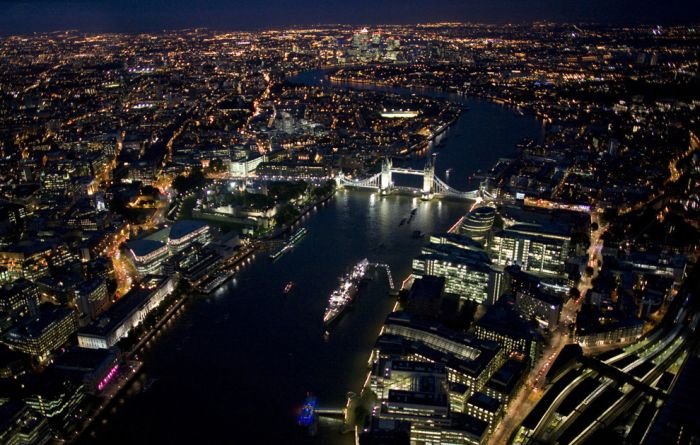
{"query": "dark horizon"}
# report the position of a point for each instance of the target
(130, 16)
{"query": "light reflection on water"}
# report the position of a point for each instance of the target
(242, 360)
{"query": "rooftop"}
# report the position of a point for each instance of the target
(37, 326)
(468, 423)
(83, 359)
(144, 247)
(505, 378)
(184, 227)
(116, 314)
(417, 398)
(481, 400)
(505, 319)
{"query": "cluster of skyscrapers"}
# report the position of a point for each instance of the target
(437, 383)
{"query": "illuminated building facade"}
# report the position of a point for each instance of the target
(468, 360)
(623, 331)
(19, 298)
(144, 172)
(5, 275)
(92, 297)
(543, 307)
(94, 367)
(456, 240)
(38, 336)
(467, 269)
(14, 214)
(478, 223)
(472, 280)
(22, 426)
(463, 429)
(484, 407)
(185, 232)
(459, 393)
(56, 398)
(147, 255)
(56, 181)
(506, 380)
(26, 259)
(533, 248)
(404, 375)
(398, 114)
(127, 313)
(244, 166)
(417, 407)
(417, 393)
(294, 170)
(504, 324)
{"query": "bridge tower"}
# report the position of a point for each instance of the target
(429, 178)
(339, 179)
(385, 179)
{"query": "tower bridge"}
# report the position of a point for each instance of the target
(433, 187)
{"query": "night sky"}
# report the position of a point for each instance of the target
(26, 16)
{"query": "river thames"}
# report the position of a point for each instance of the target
(235, 366)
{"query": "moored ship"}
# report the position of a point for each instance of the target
(344, 295)
(208, 286)
(294, 239)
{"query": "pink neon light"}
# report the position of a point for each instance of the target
(110, 375)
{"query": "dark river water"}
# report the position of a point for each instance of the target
(235, 366)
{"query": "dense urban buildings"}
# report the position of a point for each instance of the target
(147, 176)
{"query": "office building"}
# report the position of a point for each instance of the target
(26, 259)
(95, 368)
(426, 296)
(20, 298)
(128, 312)
(505, 382)
(484, 407)
(456, 240)
(468, 360)
(478, 223)
(53, 396)
(503, 323)
(535, 299)
(543, 249)
(39, 335)
(20, 425)
(405, 375)
(467, 273)
(294, 170)
(543, 307)
(147, 255)
(92, 297)
(417, 407)
(458, 393)
(186, 232)
(245, 165)
(462, 429)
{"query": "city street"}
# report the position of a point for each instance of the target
(533, 389)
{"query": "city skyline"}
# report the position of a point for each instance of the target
(131, 16)
(476, 234)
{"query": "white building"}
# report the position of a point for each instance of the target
(127, 313)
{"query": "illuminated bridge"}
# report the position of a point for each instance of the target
(433, 187)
